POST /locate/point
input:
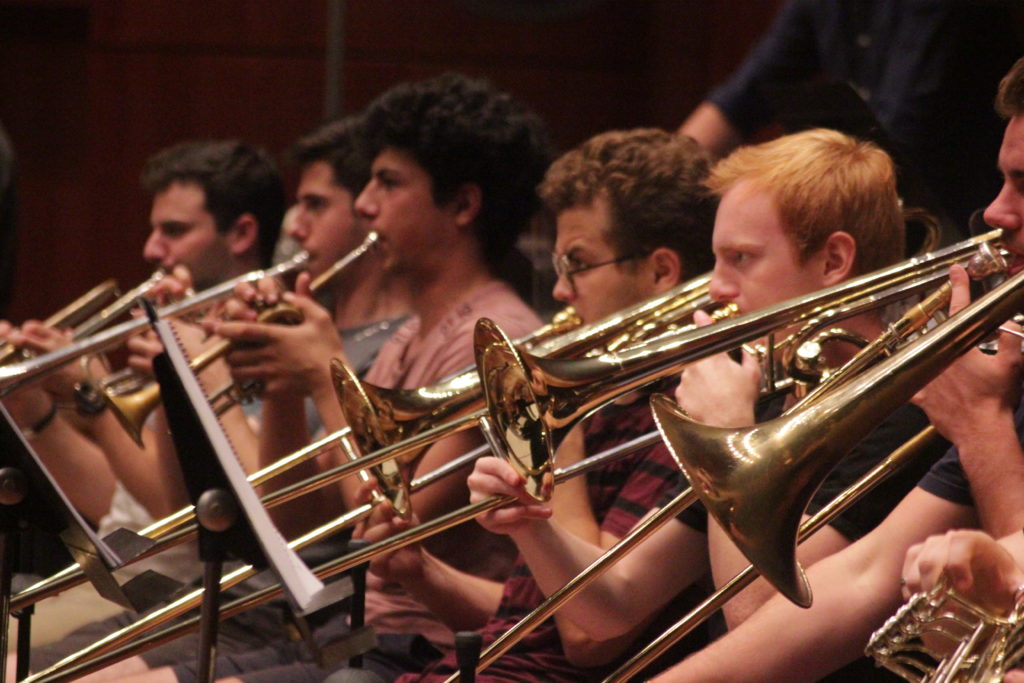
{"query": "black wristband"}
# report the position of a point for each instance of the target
(42, 423)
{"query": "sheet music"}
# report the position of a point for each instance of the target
(105, 552)
(303, 588)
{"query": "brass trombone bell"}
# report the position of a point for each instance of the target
(69, 316)
(382, 418)
(757, 481)
(537, 400)
(132, 408)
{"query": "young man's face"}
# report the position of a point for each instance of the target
(756, 263)
(398, 204)
(1007, 210)
(325, 222)
(597, 292)
(182, 231)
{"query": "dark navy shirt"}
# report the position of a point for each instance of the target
(928, 69)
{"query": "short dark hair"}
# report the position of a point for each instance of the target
(336, 143)
(236, 179)
(462, 130)
(654, 185)
(1010, 98)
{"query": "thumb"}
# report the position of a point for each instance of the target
(302, 283)
(961, 295)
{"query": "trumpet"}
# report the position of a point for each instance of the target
(133, 405)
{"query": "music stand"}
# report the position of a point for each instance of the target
(29, 496)
(232, 521)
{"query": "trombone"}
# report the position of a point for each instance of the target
(665, 411)
(766, 459)
(69, 316)
(133, 407)
(81, 314)
(535, 401)
(117, 646)
(14, 375)
(752, 328)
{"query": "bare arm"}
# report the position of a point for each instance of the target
(727, 561)
(712, 131)
(972, 404)
(854, 592)
(620, 599)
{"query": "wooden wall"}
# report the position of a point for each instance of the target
(90, 88)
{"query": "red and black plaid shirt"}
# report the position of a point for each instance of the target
(620, 494)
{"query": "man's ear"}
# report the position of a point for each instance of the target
(243, 235)
(840, 254)
(467, 203)
(666, 267)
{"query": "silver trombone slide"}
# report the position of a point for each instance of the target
(16, 375)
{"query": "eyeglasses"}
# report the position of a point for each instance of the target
(566, 266)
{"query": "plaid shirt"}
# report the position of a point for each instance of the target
(620, 494)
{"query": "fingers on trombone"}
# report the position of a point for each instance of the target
(961, 283)
(172, 287)
(494, 477)
(142, 348)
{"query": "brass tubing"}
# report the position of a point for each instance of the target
(15, 375)
(70, 315)
(884, 469)
(115, 646)
(534, 619)
(176, 527)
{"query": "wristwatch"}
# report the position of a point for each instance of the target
(89, 400)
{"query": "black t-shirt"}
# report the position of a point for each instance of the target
(947, 479)
(866, 514)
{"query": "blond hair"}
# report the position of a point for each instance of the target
(821, 182)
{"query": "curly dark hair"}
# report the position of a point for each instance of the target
(337, 144)
(236, 178)
(1010, 98)
(463, 130)
(654, 184)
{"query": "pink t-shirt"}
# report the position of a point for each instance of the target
(446, 349)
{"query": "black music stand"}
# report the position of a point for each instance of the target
(29, 496)
(232, 521)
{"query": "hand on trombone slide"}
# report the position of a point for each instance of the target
(978, 390)
(400, 566)
(717, 390)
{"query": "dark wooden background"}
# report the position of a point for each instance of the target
(90, 88)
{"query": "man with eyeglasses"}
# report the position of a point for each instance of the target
(633, 220)
(794, 215)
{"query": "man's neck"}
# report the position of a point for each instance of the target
(367, 296)
(434, 292)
